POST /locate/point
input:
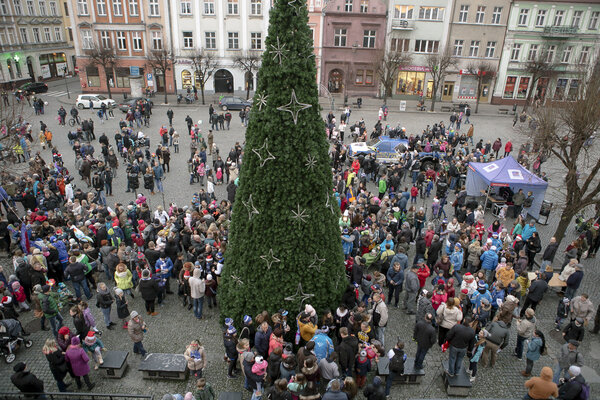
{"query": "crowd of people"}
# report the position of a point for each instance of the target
(465, 287)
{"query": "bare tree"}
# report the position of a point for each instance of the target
(387, 66)
(205, 65)
(161, 61)
(485, 73)
(249, 62)
(438, 64)
(11, 119)
(564, 130)
(540, 67)
(105, 57)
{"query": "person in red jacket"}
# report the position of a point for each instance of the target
(507, 148)
(423, 273)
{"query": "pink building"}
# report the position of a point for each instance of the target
(353, 40)
(315, 22)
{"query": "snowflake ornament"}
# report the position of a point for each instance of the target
(250, 207)
(237, 280)
(300, 295)
(270, 259)
(294, 107)
(300, 215)
(278, 51)
(329, 205)
(317, 263)
(264, 157)
(311, 162)
(261, 100)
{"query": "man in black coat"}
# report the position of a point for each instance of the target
(461, 339)
(76, 271)
(549, 252)
(25, 381)
(534, 295)
(347, 349)
(425, 336)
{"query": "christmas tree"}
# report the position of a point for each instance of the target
(285, 247)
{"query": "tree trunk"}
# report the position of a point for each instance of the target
(202, 90)
(433, 97)
(528, 100)
(563, 225)
(247, 90)
(478, 97)
(108, 86)
(166, 100)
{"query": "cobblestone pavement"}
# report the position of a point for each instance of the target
(174, 327)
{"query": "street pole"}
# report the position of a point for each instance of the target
(66, 85)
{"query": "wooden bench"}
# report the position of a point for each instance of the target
(503, 111)
(457, 385)
(446, 108)
(411, 375)
(165, 366)
(115, 364)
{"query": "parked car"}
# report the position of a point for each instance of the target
(234, 103)
(385, 149)
(33, 87)
(83, 101)
(126, 105)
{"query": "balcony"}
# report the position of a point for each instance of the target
(559, 32)
(403, 24)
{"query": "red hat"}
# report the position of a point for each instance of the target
(91, 334)
(204, 212)
(64, 331)
(6, 300)
(465, 291)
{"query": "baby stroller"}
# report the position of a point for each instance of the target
(11, 338)
(65, 297)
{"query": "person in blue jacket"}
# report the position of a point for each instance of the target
(456, 259)
(481, 293)
(163, 268)
(323, 343)
(489, 261)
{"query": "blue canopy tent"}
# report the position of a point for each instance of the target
(506, 172)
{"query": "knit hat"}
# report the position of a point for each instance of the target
(468, 276)
(231, 330)
(75, 340)
(310, 310)
(493, 248)
(228, 321)
(118, 291)
(519, 237)
(247, 319)
(249, 356)
(574, 370)
(464, 291)
(481, 284)
(209, 277)
(91, 334)
(134, 314)
(6, 300)
(458, 245)
(64, 331)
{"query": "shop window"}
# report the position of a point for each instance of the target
(93, 76)
(509, 88)
(186, 79)
(410, 82)
(561, 87)
(123, 77)
(523, 86)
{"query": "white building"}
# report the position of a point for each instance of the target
(226, 28)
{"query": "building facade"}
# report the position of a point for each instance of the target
(565, 35)
(418, 28)
(34, 44)
(315, 22)
(133, 28)
(353, 39)
(224, 28)
(476, 36)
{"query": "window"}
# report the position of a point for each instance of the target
(30, 7)
(400, 45)
(105, 39)
(233, 40)
(348, 6)
(573, 90)
(53, 9)
(550, 53)
(211, 40)
(404, 12)
(122, 77)
(458, 47)
(515, 52)
(523, 86)
(558, 17)
(369, 38)
(134, 8)
(480, 15)
(70, 32)
(18, 8)
(86, 39)
(24, 38)
(256, 41)
(566, 55)
(532, 55)
(339, 37)
(256, 7)
(136, 41)
(82, 7)
(584, 55)
(232, 7)
(3, 7)
(121, 41)
(42, 6)
(509, 87)
(3, 38)
(209, 7)
(66, 9)
(540, 19)
(364, 6)
(463, 13)
(157, 40)
(490, 49)
(474, 49)
(11, 36)
(431, 13)
(154, 10)
(561, 87)
(426, 46)
(93, 76)
(185, 7)
(36, 35)
(360, 77)
(496, 15)
(47, 35)
(523, 15)
(594, 20)
(117, 8)
(101, 5)
(57, 34)
(188, 40)
(576, 22)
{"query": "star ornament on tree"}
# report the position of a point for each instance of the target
(278, 51)
(250, 207)
(297, 5)
(300, 215)
(294, 107)
(237, 280)
(311, 162)
(261, 100)
(300, 295)
(270, 259)
(317, 263)
(267, 154)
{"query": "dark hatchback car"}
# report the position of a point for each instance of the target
(234, 103)
(33, 87)
(126, 105)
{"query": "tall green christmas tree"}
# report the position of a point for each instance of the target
(285, 247)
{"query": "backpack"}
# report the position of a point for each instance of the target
(397, 362)
(585, 392)
(46, 308)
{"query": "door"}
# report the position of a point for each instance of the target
(223, 81)
(336, 81)
(448, 91)
(485, 91)
(30, 68)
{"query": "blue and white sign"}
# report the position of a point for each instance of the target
(134, 71)
(149, 77)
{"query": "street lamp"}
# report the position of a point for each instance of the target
(66, 86)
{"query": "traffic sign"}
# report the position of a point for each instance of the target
(134, 71)
(149, 77)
